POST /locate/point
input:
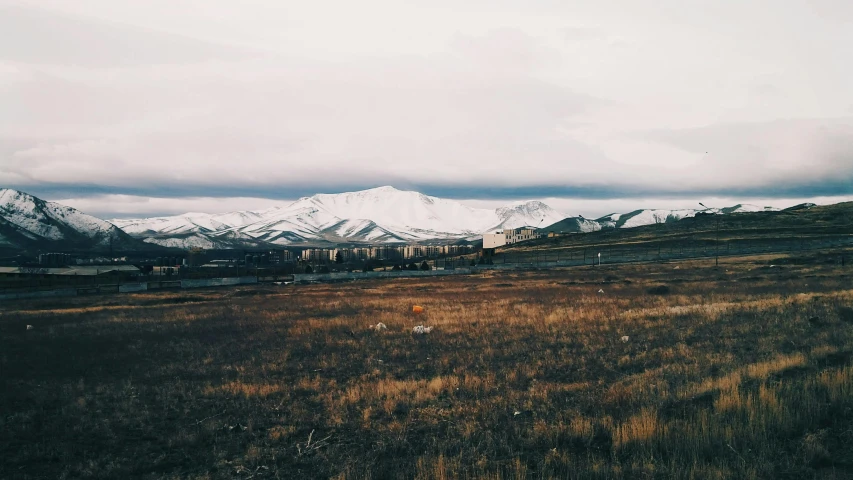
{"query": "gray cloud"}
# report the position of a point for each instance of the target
(38, 36)
(582, 33)
(778, 154)
(499, 99)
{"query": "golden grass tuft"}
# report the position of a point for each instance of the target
(248, 390)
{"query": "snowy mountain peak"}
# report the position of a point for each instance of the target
(382, 189)
(531, 208)
(26, 220)
(381, 214)
(533, 214)
(377, 215)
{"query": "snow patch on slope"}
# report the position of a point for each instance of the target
(384, 215)
(30, 217)
(377, 215)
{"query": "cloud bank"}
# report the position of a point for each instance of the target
(490, 101)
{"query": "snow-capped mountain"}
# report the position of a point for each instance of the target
(27, 221)
(643, 217)
(744, 208)
(534, 214)
(186, 223)
(574, 225)
(378, 215)
(189, 230)
(638, 218)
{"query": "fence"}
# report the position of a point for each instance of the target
(313, 277)
(568, 256)
(651, 251)
(127, 287)
(65, 292)
(45, 281)
(218, 282)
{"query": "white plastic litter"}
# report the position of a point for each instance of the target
(421, 330)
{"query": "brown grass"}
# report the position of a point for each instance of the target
(732, 374)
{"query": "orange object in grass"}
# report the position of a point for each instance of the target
(417, 309)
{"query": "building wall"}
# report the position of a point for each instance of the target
(360, 253)
(382, 252)
(516, 235)
(312, 254)
(279, 256)
(54, 259)
(494, 240)
(386, 252)
(346, 254)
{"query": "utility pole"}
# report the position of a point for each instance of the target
(536, 233)
(717, 240)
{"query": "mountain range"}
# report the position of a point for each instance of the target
(378, 215)
(30, 222)
(638, 218)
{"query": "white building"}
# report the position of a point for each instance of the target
(509, 236)
(494, 240)
(515, 235)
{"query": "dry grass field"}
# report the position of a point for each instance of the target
(741, 371)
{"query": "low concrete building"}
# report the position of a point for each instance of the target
(494, 240)
(509, 236)
(54, 259)
(515, 235)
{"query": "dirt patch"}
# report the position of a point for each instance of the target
(659, 290)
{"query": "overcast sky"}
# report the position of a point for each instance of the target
(141, 107)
